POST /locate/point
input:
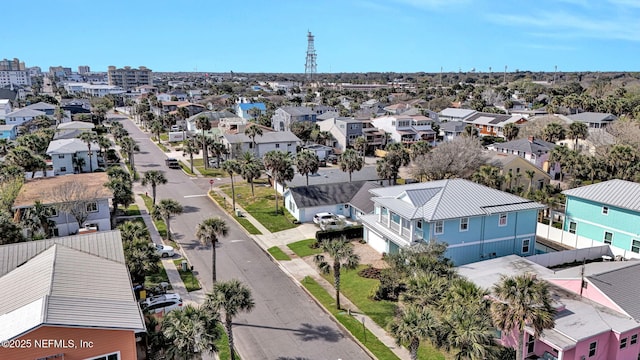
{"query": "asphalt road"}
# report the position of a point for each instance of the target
(285, 323)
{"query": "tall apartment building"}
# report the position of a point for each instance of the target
(12, 65)
(129, 78)
(83, 69)
(59, 71)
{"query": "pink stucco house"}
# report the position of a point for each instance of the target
(595, 319)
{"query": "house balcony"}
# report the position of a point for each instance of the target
(371, 222)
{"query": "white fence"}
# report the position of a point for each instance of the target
(579, 242)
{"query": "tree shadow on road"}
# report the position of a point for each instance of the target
(306, 332)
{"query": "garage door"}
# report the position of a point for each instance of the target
(376, 241)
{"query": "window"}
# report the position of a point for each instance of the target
(438, 228)
(605, 210)
(277, 146)
(635, 246)
(384, 211)
(60, 156)
(531, 342)
(395, 218)
(92, 207)
(464, 224)
(608, 237)
(419, 224)
(623, 343)
(64, 168)
(525, 246)
(634, 339)
(113, 356)
(572, 227)
(502, 219)
(593, 348)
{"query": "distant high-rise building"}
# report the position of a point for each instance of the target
(59, 71)
(310, 65)
(83, 69)
(129, 78)
(12, 65)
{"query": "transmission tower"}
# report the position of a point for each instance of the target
(310, 64)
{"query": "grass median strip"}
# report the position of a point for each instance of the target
(243, 221)
(190, 281)
(350, 322)
(303, 248)
(278, 254)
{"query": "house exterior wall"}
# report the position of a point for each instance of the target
(591, 223)
(520, 166)
(102, 342)
(66, 224)
(18, 120)
(9, 134)
(306, 214)
(63, 163)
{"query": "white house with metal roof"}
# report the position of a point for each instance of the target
(238, 144)
(455, 114)
(21, 116)
(66, 154)
(477, 222)
(594, 120)
(68, 289)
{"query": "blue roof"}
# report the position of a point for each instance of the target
(247, 106)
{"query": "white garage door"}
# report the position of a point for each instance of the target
(376, 241)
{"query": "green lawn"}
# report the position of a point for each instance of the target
(223, 345)
(163, 147)
(186, 168)
(278, 254)
(351, 323)
(303, 248)
(160, 225)
(189, 280)
(357, 289)
(262, 206)
(210, 172)
(251, 229)
(164, 136)
(132, 210)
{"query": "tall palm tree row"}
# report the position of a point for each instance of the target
(154, 178)
(232, 167)
(350, 161)
(164, 210)
(340, 256)
(281, 166)
(208, 232)
(250, 169)
(307, 162)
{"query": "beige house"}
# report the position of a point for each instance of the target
(518, 167)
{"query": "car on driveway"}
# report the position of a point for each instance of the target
(164, 250)
(333, 224)
(161, 304)
(319, 217)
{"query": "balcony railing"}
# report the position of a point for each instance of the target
(393, 226)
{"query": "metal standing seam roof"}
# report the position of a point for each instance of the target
(265, 138)
(619, 193)
(26, 112)
(449, 199)
(69, 146)
(524, 145)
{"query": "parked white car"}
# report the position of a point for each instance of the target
(161, 304)
(333, 224)
(164, 250)
(323, 216)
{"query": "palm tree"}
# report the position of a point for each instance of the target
(470, 131)
(553, 132)
(189, 148)
(103, 144)
(90, 138)
(4, 146)
(141, 257)
(412, 325)
(488, 175)
(232, 167)
(252, 131)
(130, 147)
(163, 211)
(530, 175)
(156, 128)
(208, 233)
(469, 332)
(396, 157)
(350, 161)
(360, 145)
(510, 131)
(281, 167)
(384, 169)
(218, 149)
(341, 252)
(190, 331)
(154, 178)
(578, 131)
(203, 123)
(322, 137)
(250, 169)
(419, 148)
(522, 300)
(307, 162)
(230, 297)
(131, 230)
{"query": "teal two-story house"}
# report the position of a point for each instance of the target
(606, 212)
(477, 222)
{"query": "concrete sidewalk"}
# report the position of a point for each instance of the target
(298, 269)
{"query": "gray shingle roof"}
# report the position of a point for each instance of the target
(621, 286)
(452, 126)
(524, 145)
(26, 112)
(619, 193)
(325, 194)
(41, 106)
(50, 285)
(297, 110)
(266, 138)
(449, 199)
(362, 199)
(592, 117)
(333, 174)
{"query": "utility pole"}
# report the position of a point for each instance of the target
(505, 74)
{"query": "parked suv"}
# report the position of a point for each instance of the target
(319, 217)
(161, 304)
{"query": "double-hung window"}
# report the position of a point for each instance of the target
(464, 224)
(608, 237)
(502, 219)
(438, 228)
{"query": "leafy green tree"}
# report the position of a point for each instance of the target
(250, 169)
(231, 298)
(232, 167)
(252, 131)
(307, 162)
(412, 325)
(281, 166)
(419, 148)
(209, 232)
(522, 300)
(10, 232)
(190, 332)
(342, 256)
(510, 131)
(164, 210)
(350, 161)
(154, 178)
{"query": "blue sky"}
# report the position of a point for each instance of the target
(350, 35)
